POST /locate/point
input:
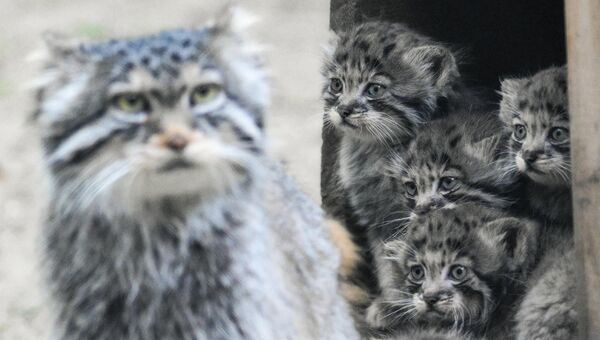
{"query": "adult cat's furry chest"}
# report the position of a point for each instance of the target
(122, 278)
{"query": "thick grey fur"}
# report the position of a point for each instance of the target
(500, 250)
(422, 83)
(548, 310)
(237, 252)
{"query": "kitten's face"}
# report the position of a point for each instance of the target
(535, 109)
(433, 185)
(451, 261)
(136, 121)
(377, 89)
(443, 169)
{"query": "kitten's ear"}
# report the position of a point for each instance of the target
(514, 238)
(486, 148)
(436, 62)
(395, 165)
(509, 89)
(395, 249)
(333, 40)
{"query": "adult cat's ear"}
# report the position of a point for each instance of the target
(435, 62)
(514, 238)
(60, 48)
(233, 20)
(239, 57)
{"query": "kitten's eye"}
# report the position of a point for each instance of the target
(410, 188)
(375, 90)
(458, 272)
(336, 85)
(559, 135)
(519, 131)
(205, 93)
(449, 184)
(131, 103)
(416, 273)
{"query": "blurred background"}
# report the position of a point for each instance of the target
(294, 33)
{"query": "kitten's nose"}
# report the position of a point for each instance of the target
(344, 110)
(431, 298)
(426, 207)
(530, 156)
(422, 209)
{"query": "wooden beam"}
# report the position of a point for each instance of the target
(583, 42)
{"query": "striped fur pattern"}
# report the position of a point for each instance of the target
(382, 81)
(535, 111)
(425, 334)
(549, 309)
(167, 220)
(457, 269)
(453, 161)
(388, 80)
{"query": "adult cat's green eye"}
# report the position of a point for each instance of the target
(417, 273)
(410, 188)
(205, 93)
(131, 103)
(519, 131)
(449, 183)
(375, 90)
(336, 86)
(559, 135)
(458, 272)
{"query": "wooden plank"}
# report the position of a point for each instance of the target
(583, 37)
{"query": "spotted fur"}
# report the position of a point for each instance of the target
(382, 81)
(453, 161)
(425, 334)
(457, 269)
(167, 220)
(535, 111)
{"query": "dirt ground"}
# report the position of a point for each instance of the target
(294, 32)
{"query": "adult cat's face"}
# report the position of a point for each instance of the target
(136, 121)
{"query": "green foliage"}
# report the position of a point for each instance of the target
(91, 31)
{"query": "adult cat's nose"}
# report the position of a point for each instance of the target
(174, 138)
(176, 141)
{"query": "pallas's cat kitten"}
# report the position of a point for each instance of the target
(457, 269)
(453, 161)
(382, 80)
(535, 110)
(166, 219)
